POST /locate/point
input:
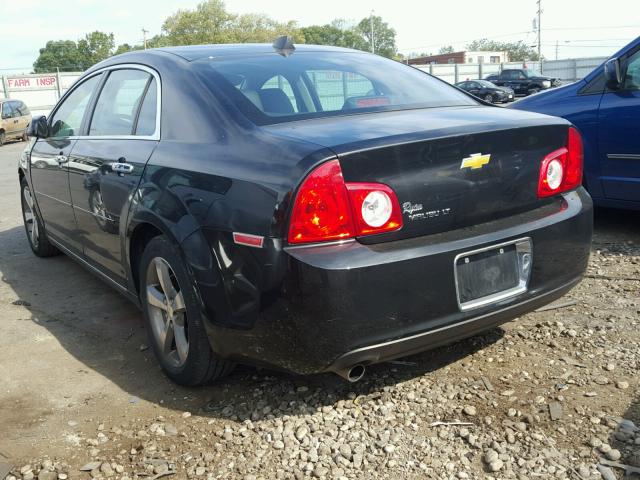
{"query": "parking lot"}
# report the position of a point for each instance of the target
(554, 394)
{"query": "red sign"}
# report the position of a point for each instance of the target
(23, 83)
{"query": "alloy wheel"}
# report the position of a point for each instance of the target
(30, 220)
(167, 312)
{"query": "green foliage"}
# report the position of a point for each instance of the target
(69, 56)
(340, 34)
(517, 51)
(383, 35)
(336, 34)
(62, 54)
(95, 47)
(446, 49)
(210, 22)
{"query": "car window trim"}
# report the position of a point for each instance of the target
(119, 66)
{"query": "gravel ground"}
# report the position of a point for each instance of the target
(552, 395)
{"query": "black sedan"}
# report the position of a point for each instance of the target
(309, 209)
(487, 91)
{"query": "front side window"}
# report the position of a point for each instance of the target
(7, 111)
(632, 75)
(67, 120)
(119, 102)
(271, 88)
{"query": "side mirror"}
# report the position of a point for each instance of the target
(613, 73)
(38, 128)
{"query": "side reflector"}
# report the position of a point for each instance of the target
(248, 240)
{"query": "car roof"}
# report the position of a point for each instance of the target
(196, 52)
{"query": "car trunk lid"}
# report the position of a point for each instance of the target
(450, 168)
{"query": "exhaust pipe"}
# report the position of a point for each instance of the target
(353, 374)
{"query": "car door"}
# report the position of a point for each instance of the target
(107, 163)
(49, 164)
(474, 88)
(619, 135)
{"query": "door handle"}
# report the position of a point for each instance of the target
(121, 168)
(61, 159)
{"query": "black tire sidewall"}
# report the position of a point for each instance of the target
(196, 369)
(488, 98)
(35, 248)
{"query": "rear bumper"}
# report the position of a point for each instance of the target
(430, 339)
(348, 303)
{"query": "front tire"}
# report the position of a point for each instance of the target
(173, 317)
(33, 225)
(488, 98)
(3, 138)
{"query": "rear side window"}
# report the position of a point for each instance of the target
(146, 124)
(67, 120)
(271, 88)
(118, 104)
(22, 108)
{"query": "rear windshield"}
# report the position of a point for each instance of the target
(272, 88)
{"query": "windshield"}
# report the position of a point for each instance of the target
(531, 73)
(486, 84)
(271, 88)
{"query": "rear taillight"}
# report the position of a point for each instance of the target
(561, 170)
(326, 208)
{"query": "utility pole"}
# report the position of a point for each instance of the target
(373, 40)
(144, 37)
(539, 34)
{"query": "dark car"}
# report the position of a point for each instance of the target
(605, 106)
(311, 209)
(487, 91)
(523, 81)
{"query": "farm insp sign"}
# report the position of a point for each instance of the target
(27, 83)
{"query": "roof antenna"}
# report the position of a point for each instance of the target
(284, 45)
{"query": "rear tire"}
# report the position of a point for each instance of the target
(173, 317)
(25, 137)
(3, 138)
(33, 225)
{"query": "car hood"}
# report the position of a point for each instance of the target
(548, 101)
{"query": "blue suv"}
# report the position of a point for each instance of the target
(605, 106)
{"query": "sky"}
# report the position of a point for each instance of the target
(421, 26)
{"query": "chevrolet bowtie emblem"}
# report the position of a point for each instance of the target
(475, 161)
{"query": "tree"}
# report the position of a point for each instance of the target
(211, 23)
(61, 54)
(208, 23)
(446, 49)
(517, 51)
(336, 34)
(69, 56)
(95, 47)
(384, 37)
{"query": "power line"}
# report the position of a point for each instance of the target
(458, 42)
